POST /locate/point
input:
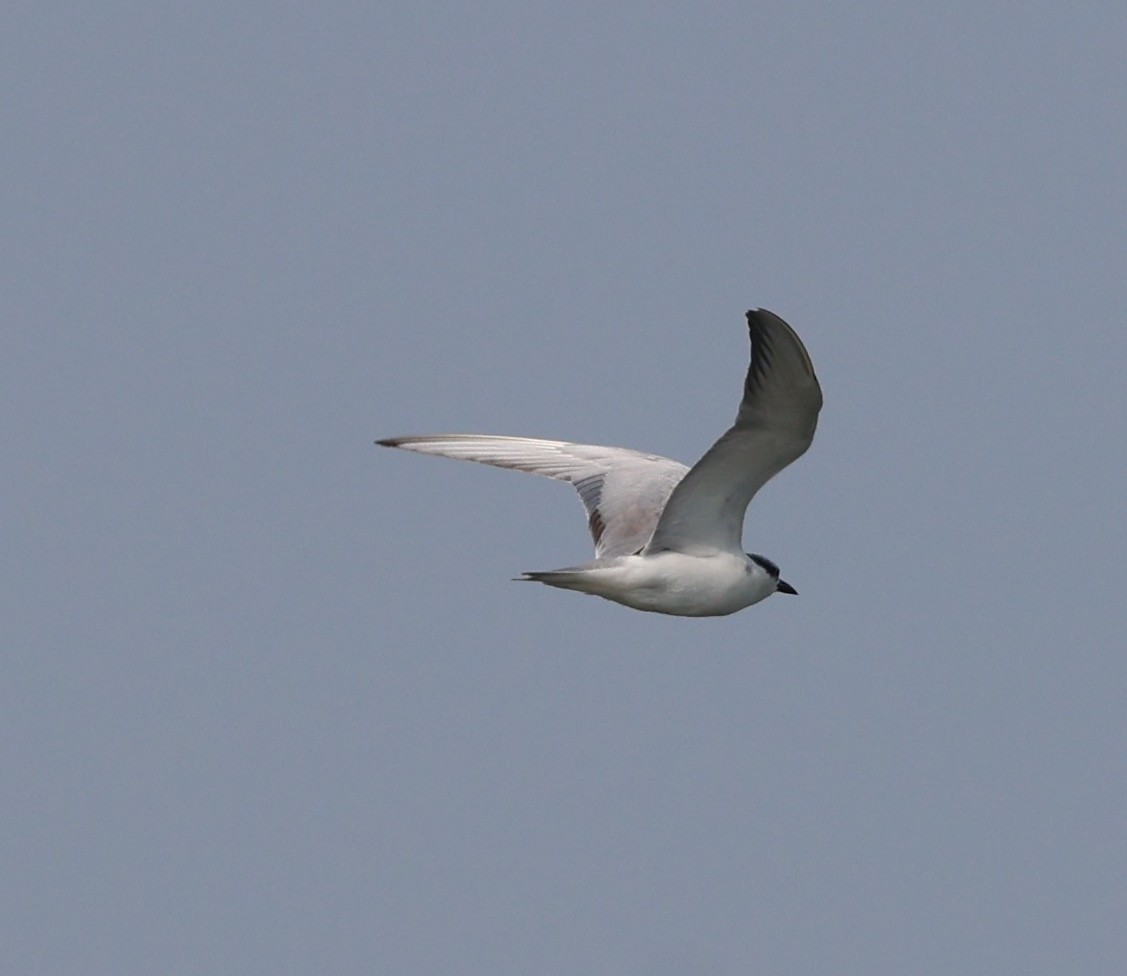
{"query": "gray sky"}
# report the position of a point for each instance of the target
(270, 703)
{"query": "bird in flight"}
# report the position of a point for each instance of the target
(668, 538)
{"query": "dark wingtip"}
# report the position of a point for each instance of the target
(388, 442)
(758, 322)
(760, 317)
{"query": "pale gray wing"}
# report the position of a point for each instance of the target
(623, 491)
(774, 426)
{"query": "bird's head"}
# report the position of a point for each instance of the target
(772, 570)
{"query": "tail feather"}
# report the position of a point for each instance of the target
(571, 578)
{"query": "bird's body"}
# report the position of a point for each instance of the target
(670, 582)
(668, 539)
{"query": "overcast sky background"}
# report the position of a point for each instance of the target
(270, 704)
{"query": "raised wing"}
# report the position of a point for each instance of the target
(774, 427)
(623, 491)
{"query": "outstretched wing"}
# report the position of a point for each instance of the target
(623, 491)
(774, 427)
